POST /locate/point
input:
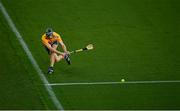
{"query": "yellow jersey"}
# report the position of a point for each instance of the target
(55, 38)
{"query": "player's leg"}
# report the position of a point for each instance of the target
(56, 58)
(60, 57)
(50, 69)
(52, 61)
(52, 58)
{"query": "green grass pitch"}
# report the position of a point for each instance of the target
(138, 40)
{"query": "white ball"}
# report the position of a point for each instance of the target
(122, 80)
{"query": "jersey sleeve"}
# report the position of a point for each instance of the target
(58, 37)
(44, 41)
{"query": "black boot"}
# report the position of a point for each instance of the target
(50, 70)
(67, 58)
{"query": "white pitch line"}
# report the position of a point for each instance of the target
(31, 58)
(109, 83)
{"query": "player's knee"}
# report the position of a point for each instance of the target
(52, 54)
(59, 58)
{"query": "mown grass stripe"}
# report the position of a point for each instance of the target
(31, 58)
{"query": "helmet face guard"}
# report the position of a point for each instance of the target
(49, 32)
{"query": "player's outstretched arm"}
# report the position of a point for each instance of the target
(64, 47)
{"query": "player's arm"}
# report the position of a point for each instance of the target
(63, 46)
(52, 49)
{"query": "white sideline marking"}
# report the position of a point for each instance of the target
(31, 58)
(106, 83)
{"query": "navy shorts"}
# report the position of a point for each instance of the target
(48, 51)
